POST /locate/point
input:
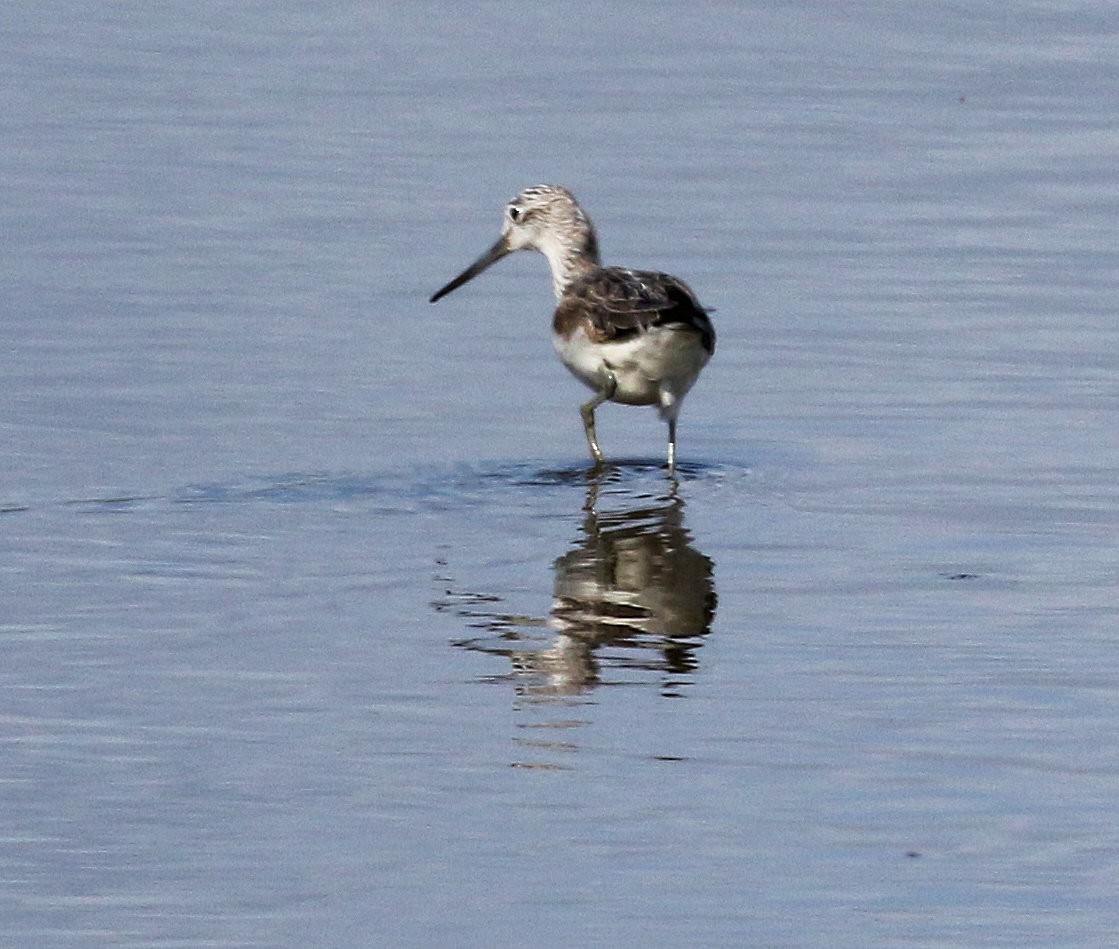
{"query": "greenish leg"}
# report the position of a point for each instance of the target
(587, 411)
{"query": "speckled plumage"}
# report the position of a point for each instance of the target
(636, 337)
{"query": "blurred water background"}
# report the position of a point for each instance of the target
(316, 629)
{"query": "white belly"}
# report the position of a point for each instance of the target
(656, 367)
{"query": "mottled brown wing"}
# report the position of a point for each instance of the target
(616, 303)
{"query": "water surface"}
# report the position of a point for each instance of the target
(317, 628)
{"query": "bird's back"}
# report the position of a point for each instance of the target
(614, 304)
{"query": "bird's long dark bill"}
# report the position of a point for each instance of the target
(491, 256)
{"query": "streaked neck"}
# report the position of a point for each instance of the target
(570, 259)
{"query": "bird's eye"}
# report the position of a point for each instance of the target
(514, 213)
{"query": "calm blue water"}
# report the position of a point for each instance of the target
(316, 629)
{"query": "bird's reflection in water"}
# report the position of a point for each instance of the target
(632, 596)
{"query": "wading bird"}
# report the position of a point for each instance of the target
(637, 337)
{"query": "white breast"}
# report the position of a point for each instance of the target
(656, 367)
